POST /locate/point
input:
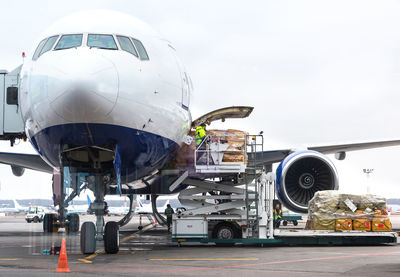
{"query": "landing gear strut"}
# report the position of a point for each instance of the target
(97, 232)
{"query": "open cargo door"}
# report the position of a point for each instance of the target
(222, 114)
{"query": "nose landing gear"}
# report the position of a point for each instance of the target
(91, 232)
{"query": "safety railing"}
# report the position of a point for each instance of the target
(221, 153)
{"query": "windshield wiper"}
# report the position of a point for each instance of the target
(56, 49)
(99, 47)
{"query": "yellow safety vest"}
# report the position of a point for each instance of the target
(277, 214)
(200, 134)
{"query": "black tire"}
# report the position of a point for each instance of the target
(140, 228)
(36, 219)
(295, 223)
(224, 231)
(111, 237)
(88, 238)
(28, 221)
(73, 225)
(48, 223)
(284, 223)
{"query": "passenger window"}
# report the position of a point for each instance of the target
(48, 45)
(69, 41)
(142, 51)
(127, 45)
(38, 49)
(102, 42)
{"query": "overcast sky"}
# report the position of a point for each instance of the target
(316, 72)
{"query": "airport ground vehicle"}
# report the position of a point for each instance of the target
(241, 210)
(35, 214)
(291, 218)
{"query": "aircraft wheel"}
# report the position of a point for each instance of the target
(111, 237)
(295, 223)
(284, 223)
(88, 238)
(48, 223)
(73, 226)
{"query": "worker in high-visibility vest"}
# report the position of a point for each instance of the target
(169, 212)
(200, 134)
(277, 215)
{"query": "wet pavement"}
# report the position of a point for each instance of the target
(150, 252)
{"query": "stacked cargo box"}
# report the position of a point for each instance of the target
(234, 140)
(334, 211)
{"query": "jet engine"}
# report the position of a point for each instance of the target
(300, 175)
(17, 171)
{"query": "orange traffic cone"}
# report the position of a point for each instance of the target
(62, 260)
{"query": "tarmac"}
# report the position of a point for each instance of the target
(150, 252)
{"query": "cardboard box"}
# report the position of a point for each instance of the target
(381, 224)
(345, 224)
(362, 224)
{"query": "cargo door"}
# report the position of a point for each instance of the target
(222, 114)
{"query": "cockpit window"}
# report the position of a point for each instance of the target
(38, 49)
(102, 41)
(69, 41)
(126, 45)
(48, 45)
(142, 51)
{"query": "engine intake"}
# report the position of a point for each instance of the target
(300, 175)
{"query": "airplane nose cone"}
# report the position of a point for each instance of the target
(86, 87)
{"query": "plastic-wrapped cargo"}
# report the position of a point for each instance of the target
(362, 224)
(322, 221)
(324, 202)
(345, 224)
(233, 141)
(328, 206)
(381, 223)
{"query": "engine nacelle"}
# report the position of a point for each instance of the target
(300, 175)
(17, 171)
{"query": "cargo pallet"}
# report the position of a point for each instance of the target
(314, 238)
(238, 209)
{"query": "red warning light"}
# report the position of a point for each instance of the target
(23, 54)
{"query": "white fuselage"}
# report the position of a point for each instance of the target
(91, 96)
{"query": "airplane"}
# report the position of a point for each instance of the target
(80, 209)
(5, 208)
(105, 95)
(118, 210)
(144, 206)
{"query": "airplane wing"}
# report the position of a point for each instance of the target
(275, 156)
(29, 161)
(332, 149)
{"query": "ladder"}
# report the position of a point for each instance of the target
(253, 171)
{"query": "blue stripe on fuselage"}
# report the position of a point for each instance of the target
(141, 152)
